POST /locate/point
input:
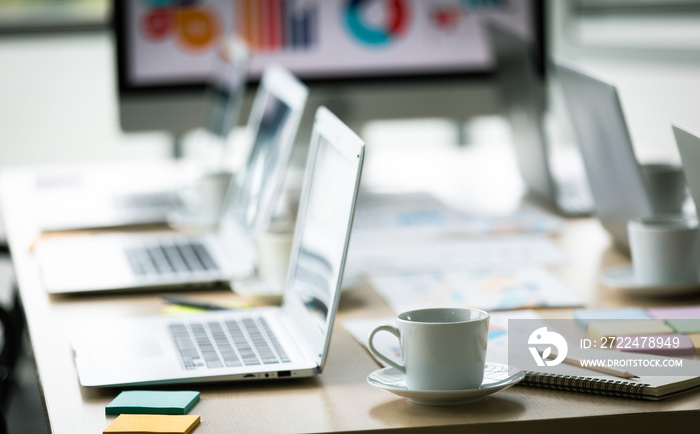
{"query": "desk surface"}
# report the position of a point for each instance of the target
(340, 398)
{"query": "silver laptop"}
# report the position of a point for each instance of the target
(120, 261)
(689, 148)
(259, 343)
(616, 179)
(524, 100)
(95, 203)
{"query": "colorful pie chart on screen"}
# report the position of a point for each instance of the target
(195, 28)
(363, 27)
(198, 28)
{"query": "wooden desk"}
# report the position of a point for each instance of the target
(340, 398)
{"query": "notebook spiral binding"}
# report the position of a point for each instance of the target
(574, 383)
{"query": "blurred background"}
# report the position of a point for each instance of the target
(52, 49)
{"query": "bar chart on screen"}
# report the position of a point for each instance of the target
(277, 25)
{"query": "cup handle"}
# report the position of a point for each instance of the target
(379, 356)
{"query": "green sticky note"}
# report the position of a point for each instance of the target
(152, 402)
(685, 325)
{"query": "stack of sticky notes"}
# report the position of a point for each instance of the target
(150, 411)
(682, 324)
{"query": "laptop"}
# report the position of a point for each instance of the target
(92, 202)
(289, 341)
(140, 260)
(524, 100)
(616, 179)
(689, 148)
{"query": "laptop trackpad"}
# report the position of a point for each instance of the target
(126, 350)
(148, 348)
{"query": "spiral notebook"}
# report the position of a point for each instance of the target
(578, 379)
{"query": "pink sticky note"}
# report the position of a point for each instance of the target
(665, 345)
(681, 312)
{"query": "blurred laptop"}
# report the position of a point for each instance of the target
(689, 148)
(616, 179)
(260, 343)
(117, 261)
(92, 204)
(524, 97)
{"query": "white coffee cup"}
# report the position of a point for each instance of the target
(206, 196)
(665, 249)
(274, 248)
(666, 187)
(441, 349)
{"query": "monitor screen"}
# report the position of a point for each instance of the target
(171, 43)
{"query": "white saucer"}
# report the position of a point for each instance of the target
(622, 278)
(496, 377)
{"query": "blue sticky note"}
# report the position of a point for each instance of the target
(152, 402)
(586, 316)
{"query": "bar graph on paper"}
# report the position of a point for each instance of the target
(277, 25)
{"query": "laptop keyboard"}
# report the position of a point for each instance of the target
(227, 343)
(160, 202)
(170, 258)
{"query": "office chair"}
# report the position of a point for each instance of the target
(12, 325)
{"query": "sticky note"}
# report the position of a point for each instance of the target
(586, 316)
(152, 402)
(152, 424)
(666, 344)
(681, 312)
(685, 325)
(597, 330)
(695, 339)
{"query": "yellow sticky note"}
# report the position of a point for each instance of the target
(695, 339)
(640, 327)
(152, 424)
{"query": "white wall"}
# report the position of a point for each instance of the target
(654, 60)
(58, 102)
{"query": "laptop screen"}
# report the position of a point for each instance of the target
(322, 231)
(615, 178)
(226, 87)
(257, 188)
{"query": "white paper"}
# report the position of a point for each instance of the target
(482, 289)
(459, 254)
(397, 217)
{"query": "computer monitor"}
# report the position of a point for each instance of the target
(166, 51)
(365, 59)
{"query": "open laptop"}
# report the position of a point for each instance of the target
(524, 99)
(615, 177)
(119, 261)
(689, 148)
(259, 343)
(96, 203)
